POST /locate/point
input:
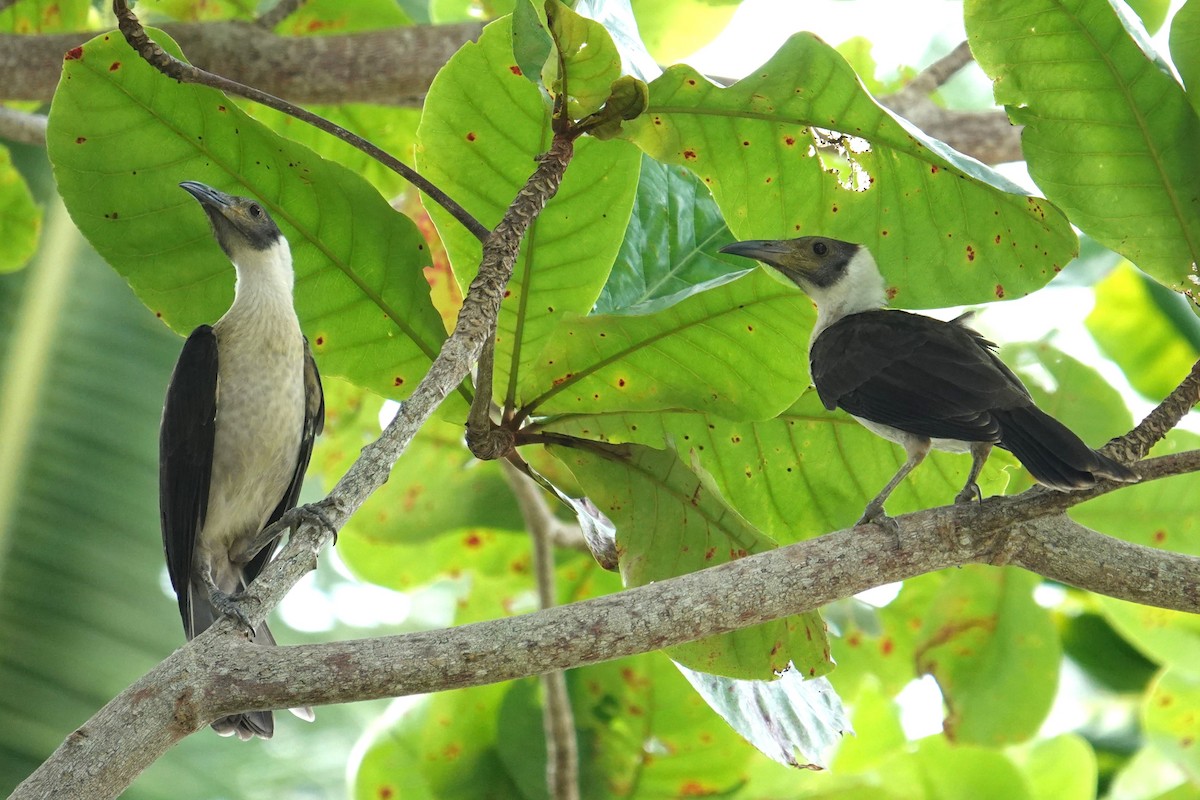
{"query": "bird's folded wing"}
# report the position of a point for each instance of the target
(915, 373)
(185, 455)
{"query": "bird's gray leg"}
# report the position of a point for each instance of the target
(289, 521)
(917, 449)
(979, 454)
(224, 602)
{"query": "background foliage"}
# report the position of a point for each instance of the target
(676, 373)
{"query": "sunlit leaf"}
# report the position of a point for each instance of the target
(1148, 330)
(798, 147)
(360, 293)
(674, 29)
(482, 129)
(1185, 48)
(791, 720)
(718, 351)
(1169, 715)
(1108, 133)
(44, 16)
(589, 58)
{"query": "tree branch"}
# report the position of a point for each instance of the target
(988, 136)
(278, 13)
(393, 66)
(18, 126)
(221, 673)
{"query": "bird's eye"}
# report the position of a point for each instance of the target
(820, 248)
(254, 210)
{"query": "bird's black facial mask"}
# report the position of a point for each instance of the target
(808, 261)
(237, 222)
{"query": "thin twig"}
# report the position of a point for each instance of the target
(278, 13)
(172, 67)
(5, 4)
(558, 720)
(933, 77)
(1134, 445)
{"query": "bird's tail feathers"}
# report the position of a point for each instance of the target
(1052, 453)
(252, 723)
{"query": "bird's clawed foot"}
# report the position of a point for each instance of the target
(875, 515)
(227, 604)
(969, 493)
(314, 513)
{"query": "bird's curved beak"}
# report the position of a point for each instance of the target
(768, 251)
(209, 197)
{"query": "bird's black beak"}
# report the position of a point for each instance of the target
(208, 196)
(768, 251)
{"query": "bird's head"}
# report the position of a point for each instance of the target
(242, 226)
(841, 277)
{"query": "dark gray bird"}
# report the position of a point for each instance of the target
(917, 381)
(241, 413)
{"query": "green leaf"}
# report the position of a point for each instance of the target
(192, 11)
(1150, 13)
(674, 29)
(987, 641)
(1062, 768)
(444, 747)
(1185, 48)
(480, 112)
(1148, 330)
(1109, 135)
(967, 773)
(732, 350)
(770, 147)
(806, 472)
(645, 733)
(1107, 658)
(328, 17)
(588, 57)
(531, 42)
(1170, 719)
(44, 16)
(791, 720)
(20, 218)
(670, 251)
(669, 523)
(121, 137)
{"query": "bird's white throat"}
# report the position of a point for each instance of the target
(861, 288)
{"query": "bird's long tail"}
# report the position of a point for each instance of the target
(252, 723)
(1053, 454)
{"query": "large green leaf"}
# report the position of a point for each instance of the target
(799, 148)
(734, 350)
(669, 523)
(122, 136)
(805, 472)
(1172, 724)
(670, 247)
(1148, 330)
(986, 641)
(1109, 135)
(482, 129)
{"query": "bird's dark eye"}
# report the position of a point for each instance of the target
(254, 210)
(820, 248)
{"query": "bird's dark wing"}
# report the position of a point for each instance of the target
(185, 456)
(915, 373)
(314, 423)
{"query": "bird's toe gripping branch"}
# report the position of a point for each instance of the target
(227, 604)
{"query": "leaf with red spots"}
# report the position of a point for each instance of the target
(326, 17)
(357, 261)
(986, 640)
(531, 43)
(706, 353)
(1171, 718)
(566, 257)
(848, 151)
(1109, 135)
(44, 16)
(670, 523)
